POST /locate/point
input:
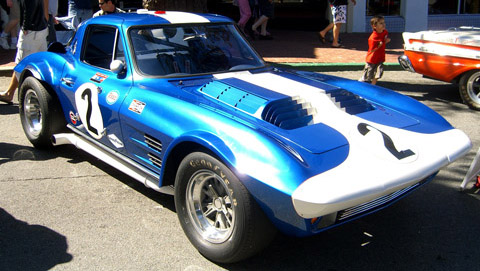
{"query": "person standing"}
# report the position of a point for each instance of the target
(266, 13)
(80, 10)
(245, 13)
(339, 14)
(11, 27)
(32, 38)
(107, 7)
(52, 13)
(376, 51)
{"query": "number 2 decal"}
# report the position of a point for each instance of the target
(86, 100)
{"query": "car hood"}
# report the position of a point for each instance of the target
(311, 114)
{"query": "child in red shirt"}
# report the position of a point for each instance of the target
(376, 51)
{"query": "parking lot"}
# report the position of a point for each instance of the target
(65, 210)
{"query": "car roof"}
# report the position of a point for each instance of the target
(145, 17)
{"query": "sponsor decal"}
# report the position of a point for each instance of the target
(73, 118)
(137, 106)
(115, 141)
(98, 77)
(112, 97)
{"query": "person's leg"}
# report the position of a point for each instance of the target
(336, 34)
(339, 14)
(325, 31)
(259, 22)
(245, 13)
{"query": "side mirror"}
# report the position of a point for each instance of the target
(117, 66)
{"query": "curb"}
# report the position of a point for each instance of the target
(329, 67)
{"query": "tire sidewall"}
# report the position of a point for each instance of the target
(221, 252)
(464, 93)
(43, 139)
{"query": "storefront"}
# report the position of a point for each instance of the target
(400, 15)
(414, 15)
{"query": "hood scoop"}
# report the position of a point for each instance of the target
(349, 102)
(280, 110)
(289, 113)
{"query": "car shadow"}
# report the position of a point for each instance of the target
(30, 247)
(441, 93)
(14, 152)
(423, 231)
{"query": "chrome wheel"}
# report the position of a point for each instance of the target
(32, 113)
(209, 204)
(473, 87)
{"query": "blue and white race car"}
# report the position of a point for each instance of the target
(183, 104)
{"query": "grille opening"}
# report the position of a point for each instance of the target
(153, 143)
(376, 203)
(156, 161)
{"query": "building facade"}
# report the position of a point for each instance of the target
(414, 15)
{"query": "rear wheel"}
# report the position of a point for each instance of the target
(217, 213)
(469, 87)
(40, 113)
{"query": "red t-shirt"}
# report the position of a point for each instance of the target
(378, 56)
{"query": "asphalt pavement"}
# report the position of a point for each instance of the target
(65, 210)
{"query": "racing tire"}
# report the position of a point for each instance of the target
(40, 113)
(217, 213)
(469, 87)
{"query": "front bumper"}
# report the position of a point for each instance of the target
(367, 176)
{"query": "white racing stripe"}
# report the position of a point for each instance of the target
(382, 159)
(178, 17)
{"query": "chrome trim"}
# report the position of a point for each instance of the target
(359, 209)
(112, 158)
(406, 63)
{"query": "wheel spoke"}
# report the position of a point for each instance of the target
(212, 191)
(210, 210)
(220, 221)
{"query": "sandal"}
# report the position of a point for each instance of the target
(321, 38)
(338, 46)
(6, 99)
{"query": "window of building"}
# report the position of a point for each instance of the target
(454, 6)
(383, 7)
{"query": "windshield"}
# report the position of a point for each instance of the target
(191, 49)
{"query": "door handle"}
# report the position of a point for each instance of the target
(68, 81)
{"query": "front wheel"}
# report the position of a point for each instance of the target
(469, 87)
(40, 113)
(217, 213)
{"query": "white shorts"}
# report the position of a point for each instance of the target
(32, 42)
(339, 14)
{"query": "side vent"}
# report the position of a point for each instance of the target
(153, 143)
(351, 103)
(156, 161)
(289, 113)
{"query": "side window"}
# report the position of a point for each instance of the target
(99, 46)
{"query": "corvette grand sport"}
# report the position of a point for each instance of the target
(183, 104)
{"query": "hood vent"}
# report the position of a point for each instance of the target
(233, 96)
(351, 103)
(289, 113)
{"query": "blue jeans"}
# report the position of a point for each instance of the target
(80, 15)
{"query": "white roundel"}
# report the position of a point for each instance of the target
(86, 100)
